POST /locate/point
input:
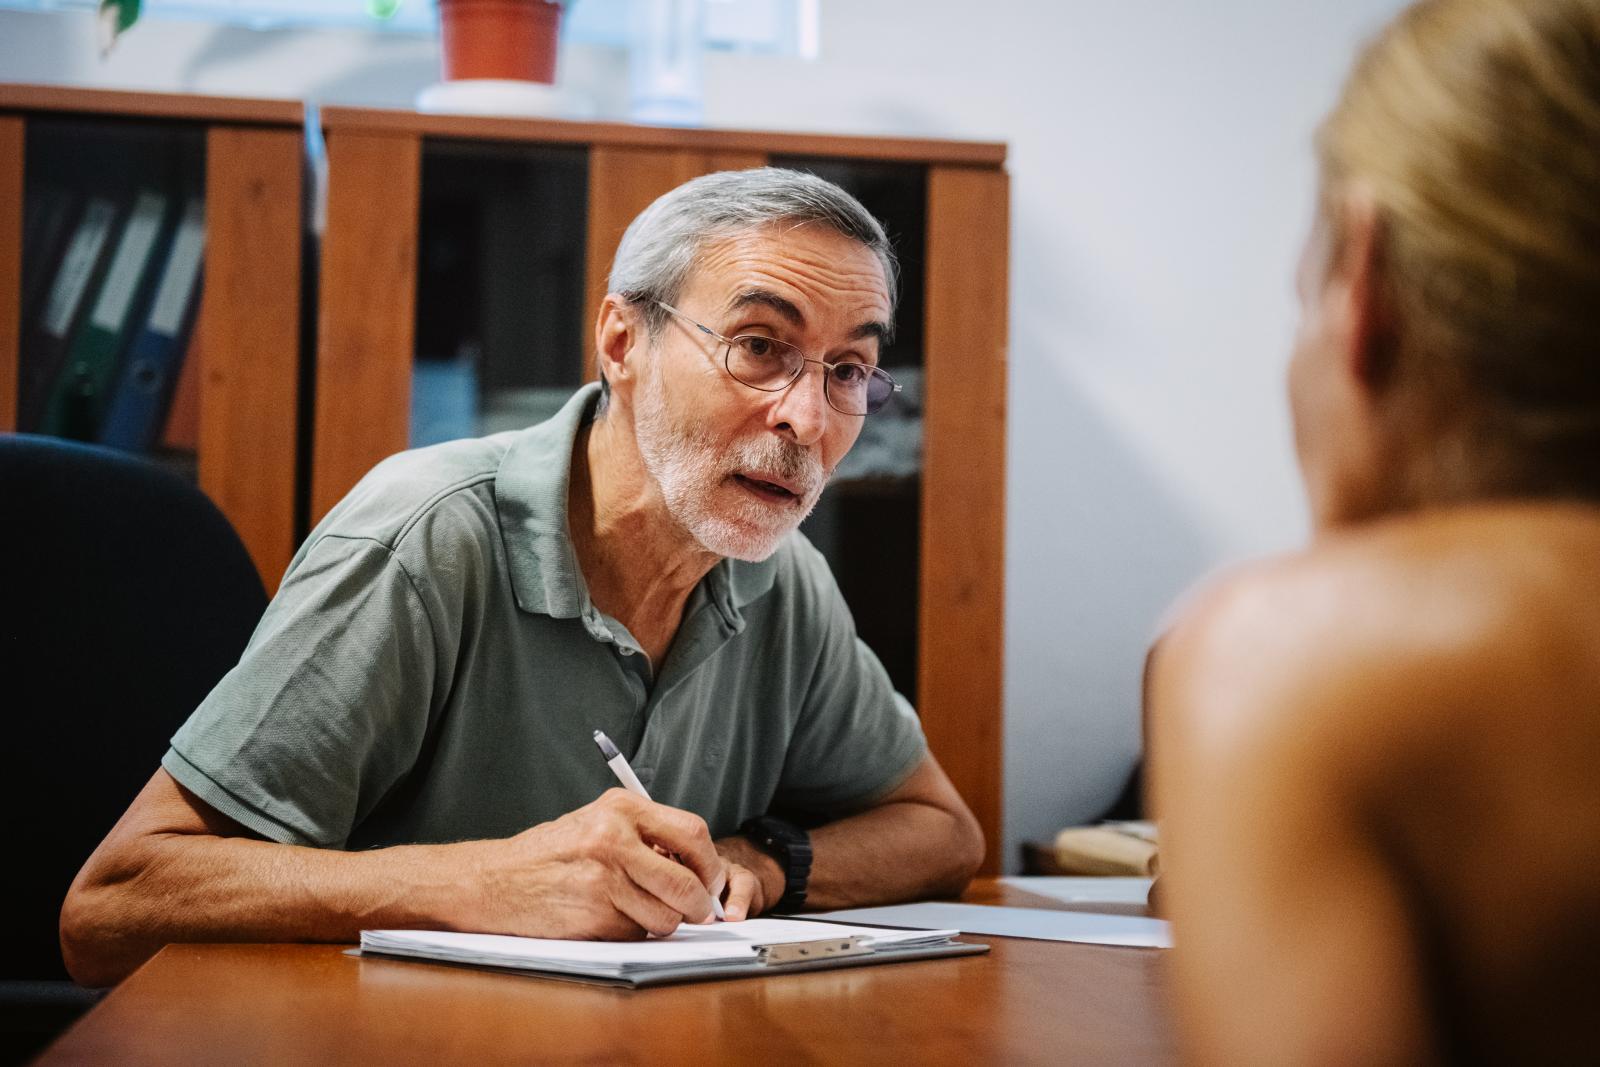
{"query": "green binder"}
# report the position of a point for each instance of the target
(78, 398)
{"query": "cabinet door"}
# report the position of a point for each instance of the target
(500, 264)
(249, 333)
(961, 661)
(367, 309)
(623, 181)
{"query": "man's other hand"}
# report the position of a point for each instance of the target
(755, 881)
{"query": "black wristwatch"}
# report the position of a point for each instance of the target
(791, 847)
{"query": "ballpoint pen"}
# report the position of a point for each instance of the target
(630, 781)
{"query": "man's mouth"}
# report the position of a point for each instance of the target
(775, 491)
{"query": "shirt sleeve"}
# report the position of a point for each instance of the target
(857, 740)
(329, 705)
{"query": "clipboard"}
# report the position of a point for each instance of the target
(848, 947)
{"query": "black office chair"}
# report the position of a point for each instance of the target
(124, 596)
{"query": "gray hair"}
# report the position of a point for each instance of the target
(662, 245)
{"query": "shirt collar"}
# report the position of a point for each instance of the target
(531, 495)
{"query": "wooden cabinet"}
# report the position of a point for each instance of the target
(298, 402)
(371, 309)
(249, 321)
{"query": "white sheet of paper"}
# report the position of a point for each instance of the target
(1086, 890)
(1085, 927)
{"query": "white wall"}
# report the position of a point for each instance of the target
(1161, 182)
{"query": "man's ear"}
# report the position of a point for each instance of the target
(1355, 294)
(619, 328)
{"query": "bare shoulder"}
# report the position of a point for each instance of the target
(1399, 721)
(1271, 642)
(1368, 647)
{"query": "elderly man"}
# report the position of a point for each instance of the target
(407, 739)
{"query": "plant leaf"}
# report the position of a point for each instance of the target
(115, 17)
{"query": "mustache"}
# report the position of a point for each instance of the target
(790, 461)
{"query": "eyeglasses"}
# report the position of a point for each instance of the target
(771, 365)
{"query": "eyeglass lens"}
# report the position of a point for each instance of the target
(768, 363)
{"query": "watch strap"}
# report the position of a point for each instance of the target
(791, 847)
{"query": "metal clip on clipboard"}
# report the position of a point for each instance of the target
(802, 951)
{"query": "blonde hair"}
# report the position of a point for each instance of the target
(1475, 127)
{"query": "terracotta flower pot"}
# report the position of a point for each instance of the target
(513, 39)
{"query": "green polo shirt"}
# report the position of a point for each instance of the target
(432, 668)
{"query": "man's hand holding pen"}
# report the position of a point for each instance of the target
(599, 873)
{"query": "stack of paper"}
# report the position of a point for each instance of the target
(1038, 923)
(710, 951)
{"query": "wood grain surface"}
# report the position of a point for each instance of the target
(1025, 1002)
(249, 329)
(11, 173)
(366, 322)
(558, 131)
(107, 102)
(960, 676)
(623, 181)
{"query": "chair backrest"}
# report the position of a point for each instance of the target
(124, 596)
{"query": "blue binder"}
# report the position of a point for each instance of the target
(150, 369)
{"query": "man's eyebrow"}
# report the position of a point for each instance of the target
(767, 298)
(882, 332)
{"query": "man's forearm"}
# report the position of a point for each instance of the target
(173, 870)
(190, 887)
(899, 851)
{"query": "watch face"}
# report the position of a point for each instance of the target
(789, 845)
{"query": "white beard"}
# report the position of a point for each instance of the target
(693, 478)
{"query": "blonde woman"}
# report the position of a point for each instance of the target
(1377, 762)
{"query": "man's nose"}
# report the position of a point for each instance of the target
(802, 409)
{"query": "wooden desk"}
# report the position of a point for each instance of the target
(1024, 1002)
